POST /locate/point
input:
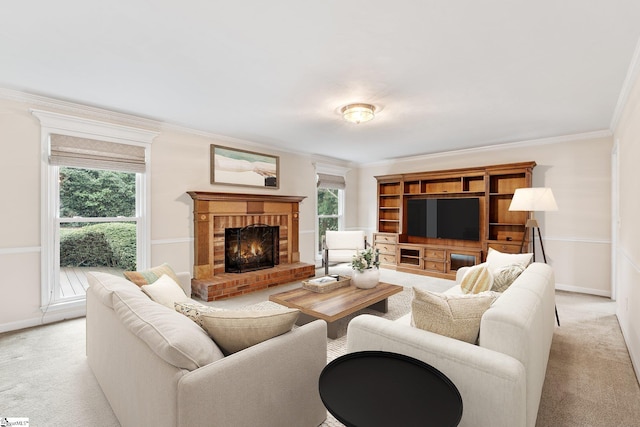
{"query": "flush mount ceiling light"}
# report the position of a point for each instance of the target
(358, 113)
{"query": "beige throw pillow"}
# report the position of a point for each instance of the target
(234, 330)
(193, 310)
(503, 277)
(477, 279)
(165, 291)
(455, 316)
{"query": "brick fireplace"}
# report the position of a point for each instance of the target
(214, 213)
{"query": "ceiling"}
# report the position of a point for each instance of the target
(444, 74)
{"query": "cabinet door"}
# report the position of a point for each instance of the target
(458, 259)
(410, 257)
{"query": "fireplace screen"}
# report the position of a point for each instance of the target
(253, 247)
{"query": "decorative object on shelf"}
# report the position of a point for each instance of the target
(366, 273)
(240, 167)
(358, 113)
(534, 199)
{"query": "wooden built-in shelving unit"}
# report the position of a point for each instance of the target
(500, 229)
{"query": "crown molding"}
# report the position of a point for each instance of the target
(67, 107)
(627, 86)
(80, 109)
(605, 133)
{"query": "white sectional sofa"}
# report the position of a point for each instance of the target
(500, 379)
(159, 368)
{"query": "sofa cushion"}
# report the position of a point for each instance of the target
(146, 277)
(496, 259)
(170, 335)
(477, 279)
(455, 316)
(105, 284)
(165, 291)
(193, 310)
(504, 276)
(235, 330)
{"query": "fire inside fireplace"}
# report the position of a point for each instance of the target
(249, 248)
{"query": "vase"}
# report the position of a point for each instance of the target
(366, 279)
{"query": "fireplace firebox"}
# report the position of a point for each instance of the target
(250, 248)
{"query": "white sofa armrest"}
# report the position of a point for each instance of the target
(492, 385)
(247, 388)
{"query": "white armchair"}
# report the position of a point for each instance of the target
(341, 246)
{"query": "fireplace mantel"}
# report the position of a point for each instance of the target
(221, 197)
(213, 212)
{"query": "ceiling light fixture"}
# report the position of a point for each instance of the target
(358, 113)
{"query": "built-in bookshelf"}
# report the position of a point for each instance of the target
(500, 228)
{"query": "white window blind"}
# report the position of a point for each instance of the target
(331, 181)
(91, 153)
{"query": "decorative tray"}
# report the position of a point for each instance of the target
(326, 283)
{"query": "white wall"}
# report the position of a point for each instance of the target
(179, 163)
(627, 135)
(577, 238)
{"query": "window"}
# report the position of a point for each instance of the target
(329, 202)
(95, 227)
(94, 202)
(329, 212)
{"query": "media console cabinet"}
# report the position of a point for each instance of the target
(499, 228)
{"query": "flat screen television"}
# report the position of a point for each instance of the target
(444, 218)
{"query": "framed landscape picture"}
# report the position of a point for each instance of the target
(233, 166)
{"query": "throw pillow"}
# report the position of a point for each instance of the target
(149, 276)
(477, 279)
(165, 291)
(193, 310)
(496, 259)
(455, 316)
(503, 277)
(236, 330)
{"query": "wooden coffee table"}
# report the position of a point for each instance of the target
(335, 305)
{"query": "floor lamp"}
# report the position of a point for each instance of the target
(534, 200)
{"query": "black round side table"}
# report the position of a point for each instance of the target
(377, 388)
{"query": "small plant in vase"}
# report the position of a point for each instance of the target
(365, 268)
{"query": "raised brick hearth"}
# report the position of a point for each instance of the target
(213, 212)
(228, 285)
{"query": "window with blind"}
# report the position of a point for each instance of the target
(94, 192)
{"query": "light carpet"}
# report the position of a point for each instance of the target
(590, 381)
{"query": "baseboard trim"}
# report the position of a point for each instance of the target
(581, 290)
(50, 317)
(635, 361)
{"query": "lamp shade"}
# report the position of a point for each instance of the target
(533, 199)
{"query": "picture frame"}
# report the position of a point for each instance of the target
(233, 166)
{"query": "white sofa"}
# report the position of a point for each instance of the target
(500, 379)
(159, 368)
